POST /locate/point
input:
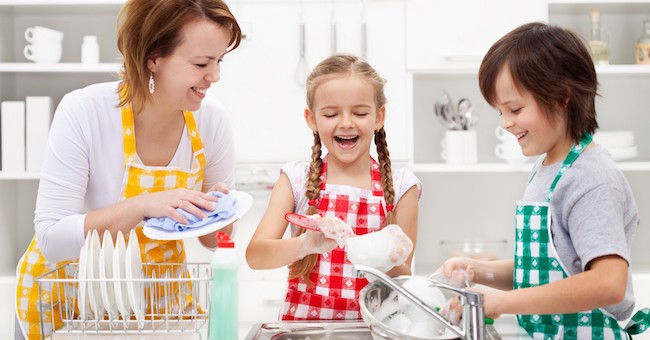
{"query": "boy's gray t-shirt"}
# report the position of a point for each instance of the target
(593, 214)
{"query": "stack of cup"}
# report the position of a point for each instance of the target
(509, 149)
(45, 45)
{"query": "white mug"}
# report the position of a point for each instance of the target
(45, 44)
(459, 147)
(509, 149)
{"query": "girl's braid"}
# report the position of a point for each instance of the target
(386, 173)
(303, 267)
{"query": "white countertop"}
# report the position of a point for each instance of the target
(506, 326)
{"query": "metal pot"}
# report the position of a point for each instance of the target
(370, 299)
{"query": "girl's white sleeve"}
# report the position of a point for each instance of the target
(403, 180)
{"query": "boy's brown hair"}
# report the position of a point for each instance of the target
(554, 65)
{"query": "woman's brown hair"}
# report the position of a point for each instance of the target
(554, 65)
(336, 66)
(149, 29)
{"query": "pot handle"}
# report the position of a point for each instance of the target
(385, 334)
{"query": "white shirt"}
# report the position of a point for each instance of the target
(83, 166)
(298, 174)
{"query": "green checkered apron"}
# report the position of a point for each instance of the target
(537, 263)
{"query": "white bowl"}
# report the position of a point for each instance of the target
(614, 139)
(619, 154)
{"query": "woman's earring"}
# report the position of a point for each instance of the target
(152, 84)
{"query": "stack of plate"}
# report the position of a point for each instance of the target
(108, 261)
(620, 144)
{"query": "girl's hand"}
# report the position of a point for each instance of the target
(314, 242)
(164, 203)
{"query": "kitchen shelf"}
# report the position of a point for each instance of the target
(4, 176)
(503, 167)
(59, 68)
(472, 69)
(479, 167)
(60, 2)
(39, 7)
(584, 6)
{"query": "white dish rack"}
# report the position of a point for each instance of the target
(175, 297)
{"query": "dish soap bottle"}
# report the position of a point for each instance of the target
(223, 293)
(597, 46)
(643, 44)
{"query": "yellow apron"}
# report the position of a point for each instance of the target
(138, 179)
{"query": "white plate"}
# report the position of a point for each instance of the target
(92, 272)
(106, 274)
(121, 301)
(133, 266)
(244, 202)
(82, 293)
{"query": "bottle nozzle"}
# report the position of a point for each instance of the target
(224, 241)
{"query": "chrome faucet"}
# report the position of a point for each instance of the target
(473, 315)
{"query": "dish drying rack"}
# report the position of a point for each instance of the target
(175, 298)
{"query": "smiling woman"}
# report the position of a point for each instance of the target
(123, 151)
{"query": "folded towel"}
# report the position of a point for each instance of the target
(225, 208)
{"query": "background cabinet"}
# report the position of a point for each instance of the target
(20, 78)
(440, 32)
(426, 47)
(476, 202)
(420, 46)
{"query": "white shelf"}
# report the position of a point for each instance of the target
(451, 68)
(503, 167)
(472, 69)
(51, 7)
(477, 168)
(584, 6)
(59, 68)
(59, 2)
(18, 175)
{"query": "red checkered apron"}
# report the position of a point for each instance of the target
(335, 293)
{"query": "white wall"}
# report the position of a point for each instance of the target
(258, 83)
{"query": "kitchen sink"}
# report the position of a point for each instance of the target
(330, 330)
(300, 330)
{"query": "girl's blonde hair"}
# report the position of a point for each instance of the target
(149, 29)
(336, 66)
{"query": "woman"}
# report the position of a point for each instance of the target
(141, 147)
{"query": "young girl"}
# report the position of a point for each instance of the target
(571, 275)
(346, 110)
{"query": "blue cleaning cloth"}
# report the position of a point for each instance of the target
(225, 208)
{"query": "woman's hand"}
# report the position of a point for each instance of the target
(210, 241)
(164, 203)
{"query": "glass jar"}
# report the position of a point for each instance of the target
(597, 45)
